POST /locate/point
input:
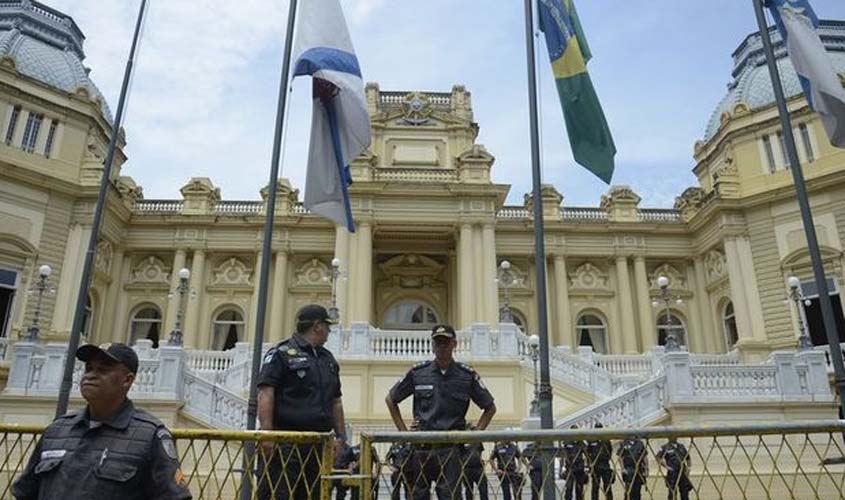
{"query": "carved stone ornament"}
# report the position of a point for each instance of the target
(314, 272)
(411, 271)
(689, 202)
(417, 109)
(589, 277)
(94, 152)
(128, 189)
(150, 270)
(231, 272)
(104, 256)
(716, 265)
(519, 278)
(677, 280)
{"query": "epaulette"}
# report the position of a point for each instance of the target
(146, 417)
(465, 367)
(421, 364)
(70, 414)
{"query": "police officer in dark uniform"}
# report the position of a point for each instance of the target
(342, 464)
(398, 458)
(299, 390)
(599, 454)
(634, 463)
(506, 458)
(473, 468)
(355, 468)
(108, 450)
(575, 474)
(674, 456)
(534, 459)
(442, 390)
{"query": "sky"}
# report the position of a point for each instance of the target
(204, 95)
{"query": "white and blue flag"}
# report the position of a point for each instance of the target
(340, 124)
(797, 23)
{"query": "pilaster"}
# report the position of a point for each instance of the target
(711, 333)
(280, 294)
(491, 288)
(466, 305)
(109, 307)
(193, 338)
(364, 287)
(565, 333)
(341, 253)
(253, 309)
(648, 327)
(626, 303)
(173, 300)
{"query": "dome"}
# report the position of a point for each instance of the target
(46, 45)
(751, 84)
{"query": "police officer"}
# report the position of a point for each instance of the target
(299, 390)
(505, 458)
(442, 390)
(573, 461)
(634, 463)
(398, 457)
(108, 450)
(674, 456)
(532, 456)
(473, 468)
(343, 463)
(599, 453)
(355, 468)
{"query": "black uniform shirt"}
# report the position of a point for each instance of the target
(306, 382)
(129, 457)
(471, 455)
(599, 453)
(573, 454)
(397, 455)
(441, 400)
(534, 457)
(674, 454)
(633, 455)
(506, 456)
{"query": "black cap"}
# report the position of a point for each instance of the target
(313, 313)
(443, 331)
(119, 353)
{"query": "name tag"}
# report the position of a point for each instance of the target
(52, 454)
(423, 387)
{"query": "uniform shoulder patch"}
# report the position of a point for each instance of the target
(166, 440)
(269, 356)
(421, 364)
(465, 367)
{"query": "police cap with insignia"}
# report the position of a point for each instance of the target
(313, 313)
(443, 331)
(117, 353)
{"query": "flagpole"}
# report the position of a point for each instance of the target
(804, 205)
(99, 211)
(545, 391)
(263, 276)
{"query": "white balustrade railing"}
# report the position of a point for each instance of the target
(659, 215)
(209, 361)
(730, 358)
(636, 407)
(513, 213)
(158, 206)
(734, 381)
(213, 404)
(239, 207)
(411, 345)
(415, 175)
(584, 213)
(628, 364)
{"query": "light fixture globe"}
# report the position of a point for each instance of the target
(45, 271)
(505, 265)
(662, 281)
(335, 262)
(184, 273)
(534, 340)
(793, 282)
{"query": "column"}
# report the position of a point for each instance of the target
(194, 338)
(364, 290)
(743, 321)
(253, 308)
(106, 314)
(341, 252)
(752, 292)
(352, 282)
(69, 279)
(173, 301)
(120, 327)
(711, 334)
(626, 306)
(277, 329)
(695, 327)
(648, 327)
(466, 307)
(477, 257)
(565, 334)
(491, 287)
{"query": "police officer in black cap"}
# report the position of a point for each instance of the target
(442, 390)
(108, 450)
(299, 390)
(574, 473)
(398, 457)
(599, 454)
(505, 458)
(675, 457)
(633, 457)
(473, 471)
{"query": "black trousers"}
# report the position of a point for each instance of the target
(293, 473)
(399, 481)
(575, 481)
(602, 480)
(633, 486)
(470, 479)
(439, 465)
(678, 484)
(511, 481)
(536, 476)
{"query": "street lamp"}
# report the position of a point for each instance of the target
(41, 286)
(797, 296)
(181, 289)
(534, 346)
(507, 281)
(672, 343)
(334, 312)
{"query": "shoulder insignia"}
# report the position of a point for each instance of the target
(421, 364)
(292, 352)
(466, 367)
(167, 443)
(146, 417)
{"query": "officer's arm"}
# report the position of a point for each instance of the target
(486, 417)
(338, 418)
(395, 413)
(26, 486)
(397, 393)
(167, 481)
(266, 401)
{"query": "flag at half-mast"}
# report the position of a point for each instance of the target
(797, 23)
(340, 124)
(589, 136)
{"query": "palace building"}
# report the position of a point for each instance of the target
(433, 232)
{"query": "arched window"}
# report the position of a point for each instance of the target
(145, 324)
(88, 318)
(516, 316)
(592, 331)
(729, 323)
(228, 329)
(671, 323)
(410, 315)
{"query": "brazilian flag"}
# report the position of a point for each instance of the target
(589, 135)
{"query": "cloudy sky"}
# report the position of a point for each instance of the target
(204, 95)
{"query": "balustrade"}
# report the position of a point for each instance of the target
(734, 381)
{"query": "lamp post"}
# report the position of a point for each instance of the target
(181, 289)
(672, 343)
(507, 281)
(797, 296)
(534, 346)
(334, 312)
(41, 286)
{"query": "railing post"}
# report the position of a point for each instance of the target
(480, 335)
(359, 339)
(51, 373)
(679, 383)
(169, 377)
(786, 375)
(19, 374)
(508, 342)
(817, 381)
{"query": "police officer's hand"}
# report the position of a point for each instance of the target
(339, 444)
(267, 449)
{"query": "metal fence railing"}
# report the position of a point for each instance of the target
(802, 461)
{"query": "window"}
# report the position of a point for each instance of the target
(88, 319)
(13, 122)
(805, 138)
(670, 323)
(782, 143)
(51, 137)
(592, 331)
(770, 154)
(30, 133)
(410, 316)
(228, 329)
(8, 286)
(729, 323)
(145, 324)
